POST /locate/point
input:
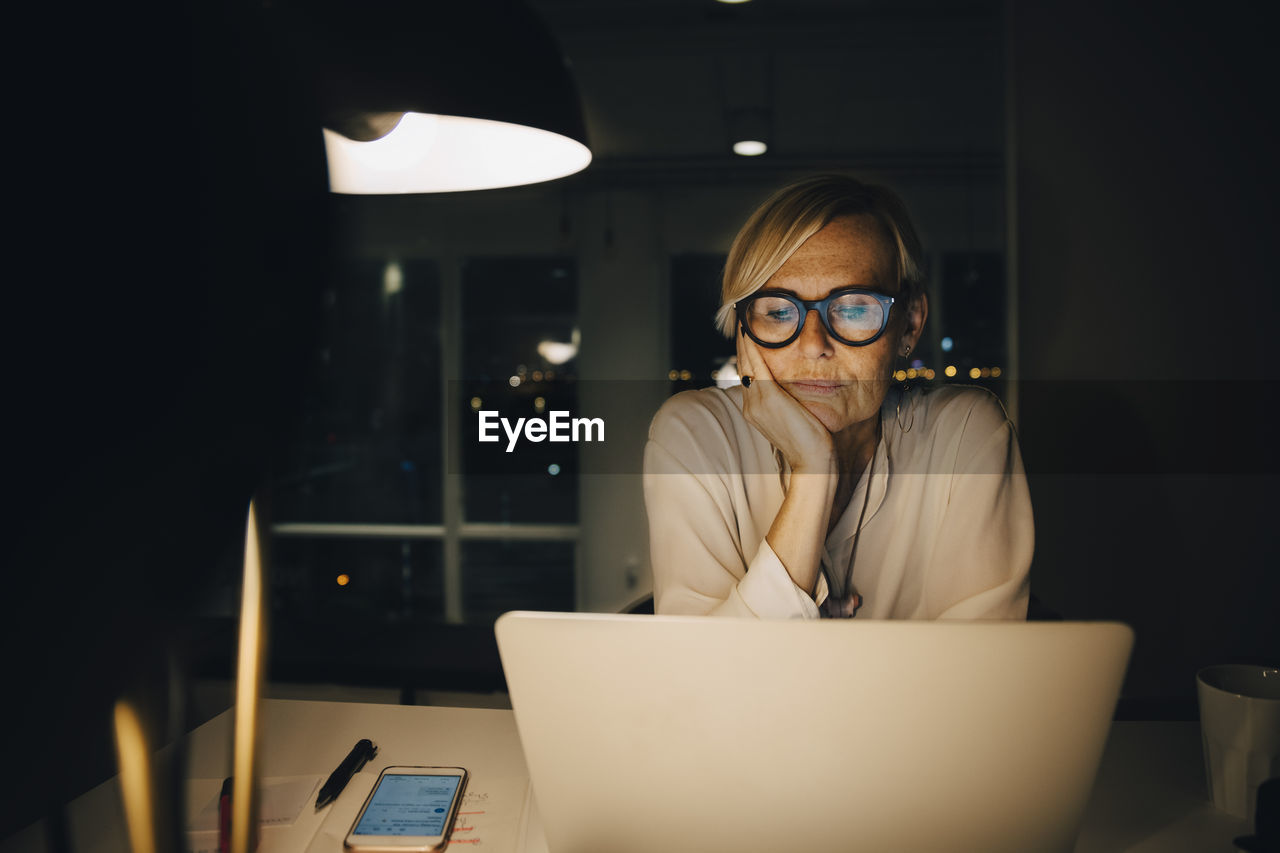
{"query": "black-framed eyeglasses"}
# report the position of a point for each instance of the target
(853, 316)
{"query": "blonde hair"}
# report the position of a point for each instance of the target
(795, 213)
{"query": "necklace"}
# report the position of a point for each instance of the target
(846, 606)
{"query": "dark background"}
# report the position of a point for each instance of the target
(1146, 215)
(152, 329)
(168, 195)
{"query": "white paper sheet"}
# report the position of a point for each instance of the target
(286, 812)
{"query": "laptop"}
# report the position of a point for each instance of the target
(676, 733)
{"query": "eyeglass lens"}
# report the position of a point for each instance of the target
(853, 316)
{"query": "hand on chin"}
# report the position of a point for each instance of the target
(829, 417)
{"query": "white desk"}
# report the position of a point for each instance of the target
(1149, 796)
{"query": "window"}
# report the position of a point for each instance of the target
(969, 318)
(519, 359)
(698, 350)
(367, 449)
(386, 509)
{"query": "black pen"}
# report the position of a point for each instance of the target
(338, 779)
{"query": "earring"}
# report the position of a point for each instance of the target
(911, 421)
(906, 352)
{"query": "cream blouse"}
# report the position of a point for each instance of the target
(946, 531)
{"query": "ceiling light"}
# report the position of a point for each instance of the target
(561, 352)
(435, 153)
(440, 97)
(750, 131)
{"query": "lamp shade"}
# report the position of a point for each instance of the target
(440, 96)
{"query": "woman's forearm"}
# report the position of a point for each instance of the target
(800, 528)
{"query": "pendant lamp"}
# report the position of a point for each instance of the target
(438, 96)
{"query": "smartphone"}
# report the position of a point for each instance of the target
(410, 808)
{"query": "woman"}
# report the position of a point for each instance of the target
(815, 488)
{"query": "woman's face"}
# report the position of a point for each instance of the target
(841, 385)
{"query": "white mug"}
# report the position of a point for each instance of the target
(1240, 725)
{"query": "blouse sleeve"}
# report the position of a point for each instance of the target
(982, 562)
(701, 565)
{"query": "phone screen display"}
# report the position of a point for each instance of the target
(409, 805)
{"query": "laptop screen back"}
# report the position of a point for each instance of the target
(646, 733)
